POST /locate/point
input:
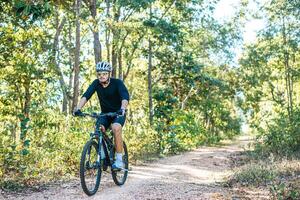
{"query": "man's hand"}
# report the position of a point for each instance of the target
(121, 112)
(77, 112)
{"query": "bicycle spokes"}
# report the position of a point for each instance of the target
(90, 171)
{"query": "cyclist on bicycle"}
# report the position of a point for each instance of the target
(113, 97)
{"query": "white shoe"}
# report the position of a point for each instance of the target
(118, 165)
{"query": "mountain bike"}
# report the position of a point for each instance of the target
(97, 155)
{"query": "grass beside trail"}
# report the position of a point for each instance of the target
(279, 175)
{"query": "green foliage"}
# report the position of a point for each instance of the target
(278, 175)
(184, 132)
(269, 80)
(136, 5)
(141, 140)
(261, 170)
(53, 151)
(193, 94)
(31, 10)
(255, 174)
(281, 191)
(166, 102)
(180, 130)
(282, 135)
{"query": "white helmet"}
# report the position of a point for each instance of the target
(103, 66)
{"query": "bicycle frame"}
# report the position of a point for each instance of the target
(107, 143)
(99, 139)
(102, 140)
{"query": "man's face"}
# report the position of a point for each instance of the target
(103, 76)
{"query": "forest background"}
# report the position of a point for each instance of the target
(178, 61)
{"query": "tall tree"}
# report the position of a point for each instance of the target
(149, 72)
(77, 56)
(115, 38)
(92, 4)
(64, 88)
(268, 65)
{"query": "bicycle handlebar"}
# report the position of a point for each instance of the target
(97, 115)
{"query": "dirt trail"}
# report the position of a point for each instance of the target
(191, 175)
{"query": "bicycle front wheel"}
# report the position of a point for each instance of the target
(120, 177)
(90, 169)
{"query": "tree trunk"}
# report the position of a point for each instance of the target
(24, 119)
(287, 67)
(150, 84)
(116, 32)
(65, 105)
(55, 51)
(77, 55)
(114, 56)
(107, 32)
(71, 86)
(97, 44)
(150, 76)
(120, 64)
(120, 68)
(206, 120)
(64, 87)
(190, 93)
(130, 58)
(71, 65)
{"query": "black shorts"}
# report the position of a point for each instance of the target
(106, 121)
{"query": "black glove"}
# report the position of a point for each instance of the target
(77, 112)
(121, 112)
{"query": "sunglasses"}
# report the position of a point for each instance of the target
(102, 73)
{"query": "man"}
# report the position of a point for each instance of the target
(114, 97)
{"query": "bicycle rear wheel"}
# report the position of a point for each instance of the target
(90, 169)
(120, 177)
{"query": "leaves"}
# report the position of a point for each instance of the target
(31, 11)
(193, 91)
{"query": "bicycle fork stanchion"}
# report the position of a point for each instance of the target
(88, 162)
(100, 148)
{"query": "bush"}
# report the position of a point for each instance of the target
(141, 140)
(52, 151)
(283, 135)
(255, 174)
(279, 175)
(285, 191)
(183, 133)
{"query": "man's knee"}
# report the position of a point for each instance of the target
(116, 128)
